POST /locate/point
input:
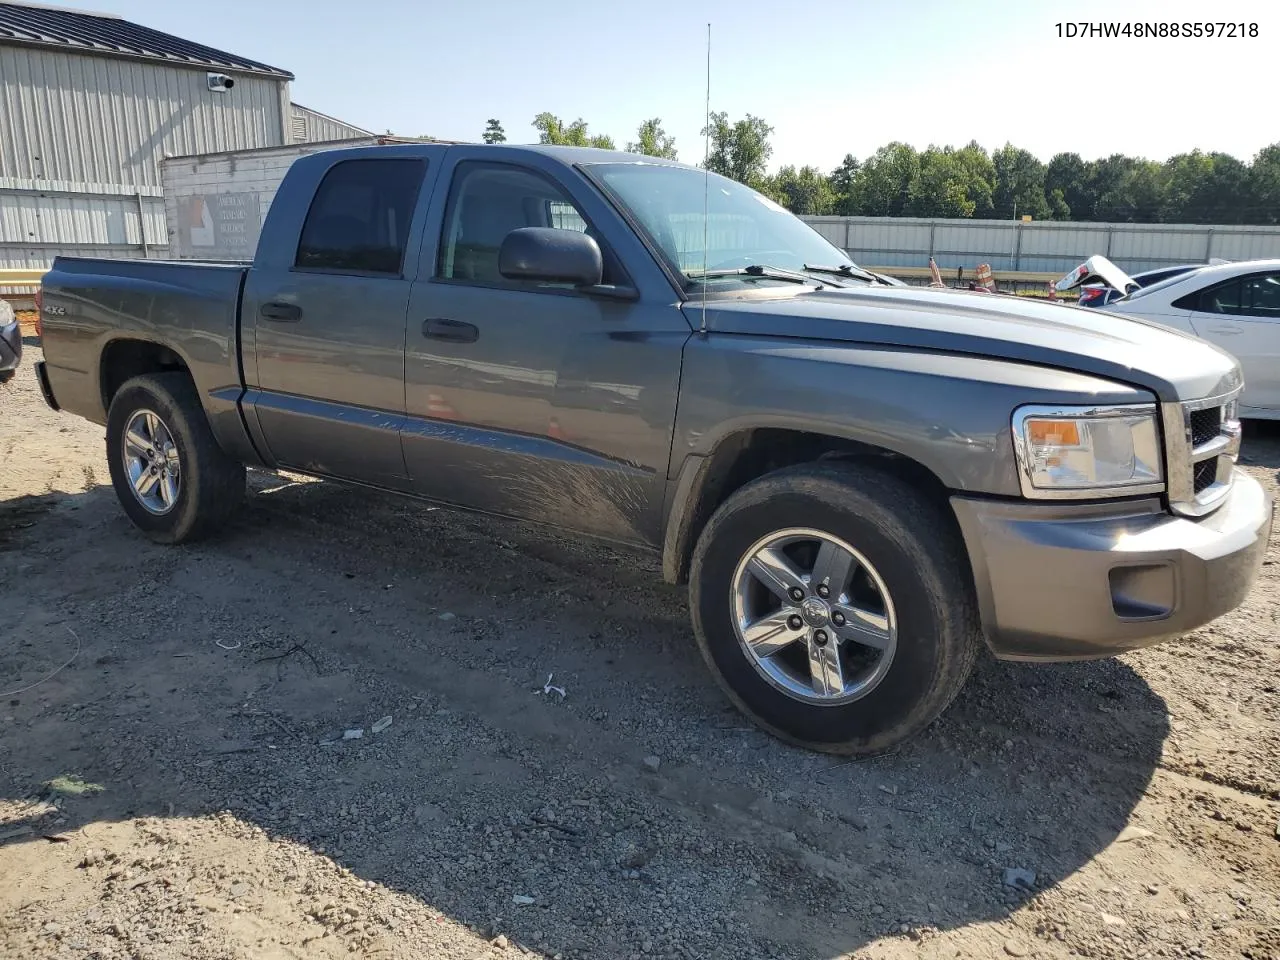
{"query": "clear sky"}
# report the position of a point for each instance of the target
(831, 77)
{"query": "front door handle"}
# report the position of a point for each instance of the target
(1225, 331)
(452, 331)
(281, 312)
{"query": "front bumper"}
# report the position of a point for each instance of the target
(1076, 582)
(10, 349)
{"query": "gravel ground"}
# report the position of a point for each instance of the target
(183, 788)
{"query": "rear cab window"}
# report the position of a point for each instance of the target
(359, 220)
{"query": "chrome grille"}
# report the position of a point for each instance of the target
(1205, 425)
(1204, 474)
(1202, 442)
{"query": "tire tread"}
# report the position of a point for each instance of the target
(214, 481)
(923, 529)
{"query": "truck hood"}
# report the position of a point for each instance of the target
(1172, 365)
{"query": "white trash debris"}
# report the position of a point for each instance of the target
(353, 734)
(380, 725)
(521, 900)
(548, 689)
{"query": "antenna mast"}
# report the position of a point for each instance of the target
(706, 186)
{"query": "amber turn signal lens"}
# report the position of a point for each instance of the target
(1053, 433)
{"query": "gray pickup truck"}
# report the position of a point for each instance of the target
(861, 483)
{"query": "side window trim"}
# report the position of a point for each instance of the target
(413, 202)
(450, 224)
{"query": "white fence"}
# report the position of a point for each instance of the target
(1045, 246)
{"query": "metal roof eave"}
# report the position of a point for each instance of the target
(170, 60)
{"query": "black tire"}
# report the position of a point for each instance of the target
(212, 484)
(916, 548)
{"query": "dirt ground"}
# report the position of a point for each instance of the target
(183, 787)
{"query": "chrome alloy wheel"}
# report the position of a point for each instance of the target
(151, 462)
(814, 616)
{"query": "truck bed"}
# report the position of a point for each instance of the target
(95, 310)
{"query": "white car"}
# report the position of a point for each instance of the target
(1235, 306)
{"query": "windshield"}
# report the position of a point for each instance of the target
(743, 228)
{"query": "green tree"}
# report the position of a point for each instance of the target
(882, 188)
(1019, 188)
(1106, 180)
(941, 189)
(1206, 188)
(842, 179)
(1143, 189)
(1058, 207)
(653, 141)
(1186, 175)
(739, 150)
(981, 177)
(1068, 175)
(493, 132)
(943, 181)
(805, 191)
(1264, 185)
(1228, 191)
(551, 129)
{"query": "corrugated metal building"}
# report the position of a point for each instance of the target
(89, 106)
(311, 126)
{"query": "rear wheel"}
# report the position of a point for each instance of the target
(834, 605)
(172, 479)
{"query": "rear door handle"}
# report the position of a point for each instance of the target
(452, 331)
(281, 312)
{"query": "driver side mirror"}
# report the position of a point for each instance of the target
(551, 256)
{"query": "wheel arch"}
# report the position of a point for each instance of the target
(123, 358)
(703, 483)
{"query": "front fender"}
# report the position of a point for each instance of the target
(948, 413)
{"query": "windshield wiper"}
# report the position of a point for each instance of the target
(754, 270)
(844, 270)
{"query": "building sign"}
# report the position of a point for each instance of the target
(220, 225)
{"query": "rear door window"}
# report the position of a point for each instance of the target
(1221, 298)
(359, 220)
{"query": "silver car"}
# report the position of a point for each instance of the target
(10, 342)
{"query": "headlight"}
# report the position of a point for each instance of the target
(1080, 452)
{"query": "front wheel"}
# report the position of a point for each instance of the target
(172, 479)
(834, 605)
